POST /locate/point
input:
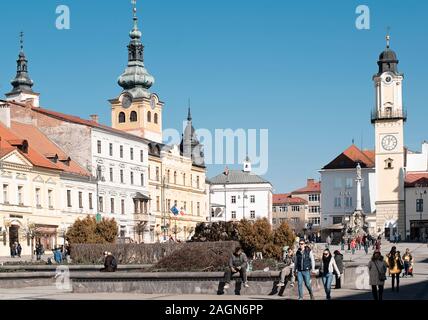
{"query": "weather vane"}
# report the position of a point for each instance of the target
(388, 37)
(21, 40)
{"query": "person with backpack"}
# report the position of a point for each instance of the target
(110, 262)
(377, 275)
(395, 266)
(304, 266)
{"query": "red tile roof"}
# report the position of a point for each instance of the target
(35, 157)
(279, 199)
(46, 147)
(416, 178)
(311, 187)
(75, 119)
(351, 157)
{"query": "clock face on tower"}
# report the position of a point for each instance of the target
(126, 100)
(389, 143)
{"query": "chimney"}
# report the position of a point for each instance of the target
(94, 117)
(310, 181)
(5, 114)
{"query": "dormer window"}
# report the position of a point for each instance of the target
(52, 157)
(66, 161)
(22, 145)
(389, 164)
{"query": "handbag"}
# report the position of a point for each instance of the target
(382, 276)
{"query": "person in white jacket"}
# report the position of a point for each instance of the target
(328, 267)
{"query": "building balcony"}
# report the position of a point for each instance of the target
(377, 115)
(145, 217)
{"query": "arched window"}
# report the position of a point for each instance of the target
(156, 118)
(149, 116)
(122, 117)
(133, 117)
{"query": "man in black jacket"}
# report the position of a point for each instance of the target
(110, 263)
(304, 266)
(237, 264)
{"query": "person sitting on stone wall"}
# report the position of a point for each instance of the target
(237, 264)
(110, 263)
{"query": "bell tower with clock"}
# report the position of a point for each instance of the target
(388, 118)
(137, 110)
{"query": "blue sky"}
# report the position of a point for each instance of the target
(298, 68)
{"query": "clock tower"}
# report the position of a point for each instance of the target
(137, 110)
(388, 118)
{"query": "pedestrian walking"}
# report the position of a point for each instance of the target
(18, 250)
(349, 243)
(408, 263)
(304, 265)
(13, 250)
(395, 266)
(342, 244)
(237, 264)
(288, 270)
(377, 275)
(353, 246)
(328, 267)
(338, 257)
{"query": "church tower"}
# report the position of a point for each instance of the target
(22, 84)
(388, 118)
(137, 110)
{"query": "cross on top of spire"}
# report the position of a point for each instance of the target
(388, 37)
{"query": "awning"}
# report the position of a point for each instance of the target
(140, 196)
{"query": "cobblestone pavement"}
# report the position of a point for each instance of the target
(415, 288)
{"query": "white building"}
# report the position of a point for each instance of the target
(339, 190)
(237, 195)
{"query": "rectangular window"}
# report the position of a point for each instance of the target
(121, 176)
(295, 208)
(419, 205)
(122, 206)
(315, 221)
(131, 151)
(141, 155)
(149, 170)
(69, 198)
(5, 193)
(273, 221)
(80, 200)
(132, 177)
(337, 220)
(38, 203)
(233, 214)
(50, 199)
(99, 146)
(111, 174)
(112, 205)
(90, 201)
(157, 173)
(184, 179)
(274, 209)
(101, 204)
(233, 199)
(111, 149)
(295, 220)
(337, 202)
(252, 214)
(21, 195)
(185, 205)
(142, 179)
(314, 197)
(314, 209)
(253, 199)
(197, 182)
(338, 183)
(198, 208)
(349, 183)
(121, 151)
(348, 202)
(158, 203)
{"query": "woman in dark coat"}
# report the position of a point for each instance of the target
(338, 257)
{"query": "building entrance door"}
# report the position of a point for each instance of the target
(13, 235)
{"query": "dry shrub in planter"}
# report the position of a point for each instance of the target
(200, 257)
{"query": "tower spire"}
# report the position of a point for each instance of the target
(189, 115)
(22, 81)
(388, 37)
(136, 80)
